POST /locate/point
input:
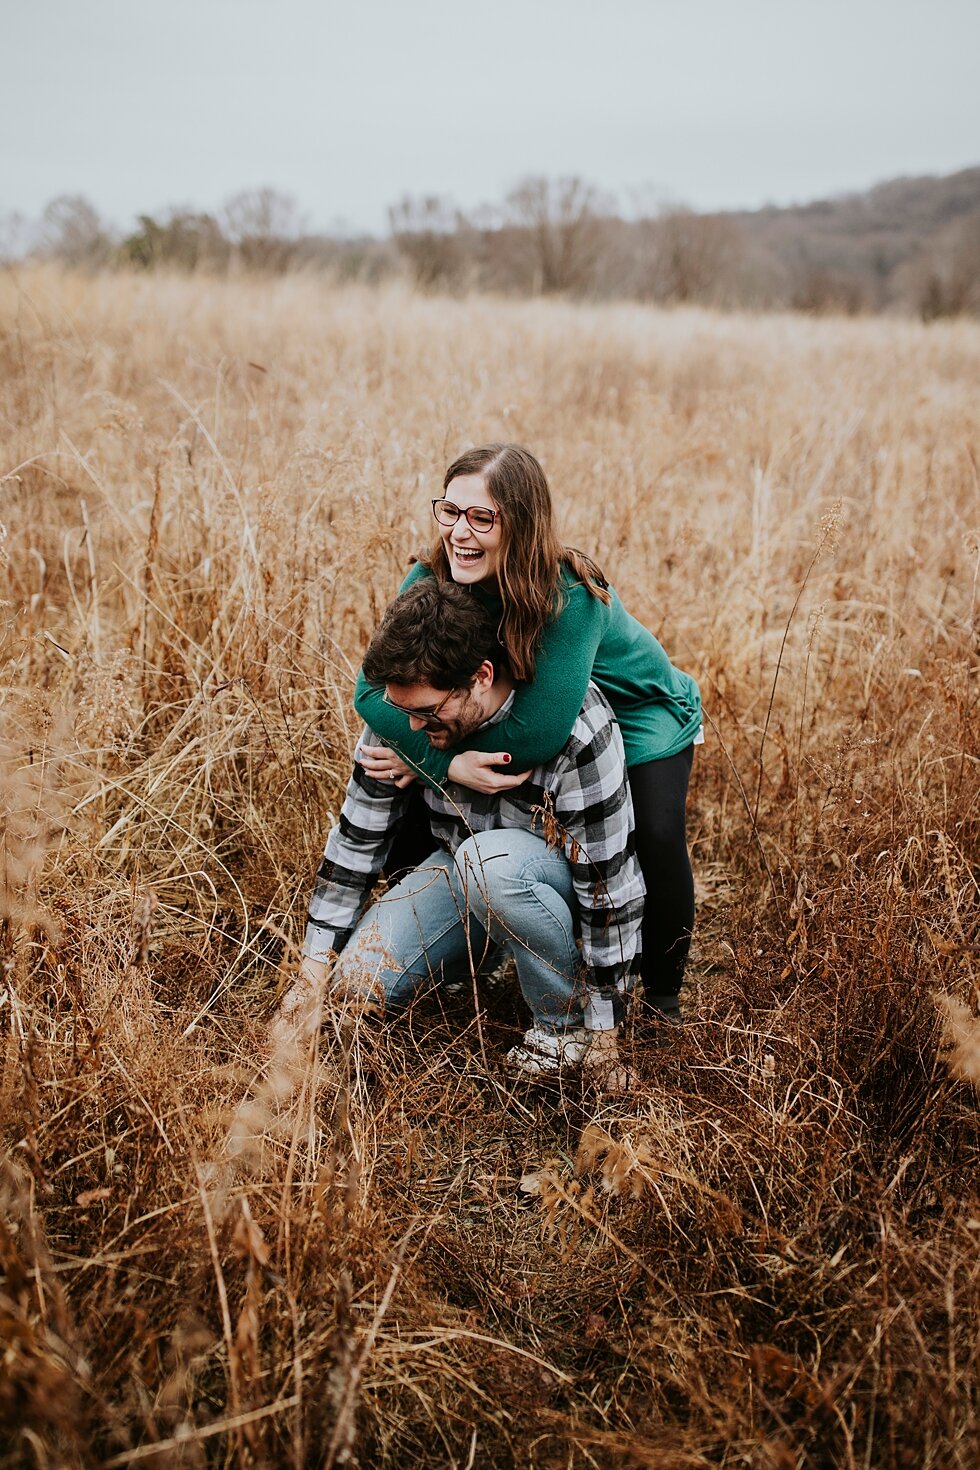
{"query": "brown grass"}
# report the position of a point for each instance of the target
(379, 1251)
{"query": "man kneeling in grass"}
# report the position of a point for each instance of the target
(545, 871)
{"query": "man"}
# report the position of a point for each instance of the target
(546, 869)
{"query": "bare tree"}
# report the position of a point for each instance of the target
(563, 223)
(264, 225)
(427, 232)
(72, 231)
(692, 257)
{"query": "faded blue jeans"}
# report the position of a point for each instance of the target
(448, 918)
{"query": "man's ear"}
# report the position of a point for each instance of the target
(484, 676)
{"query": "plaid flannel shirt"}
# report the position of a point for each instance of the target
(579, 800)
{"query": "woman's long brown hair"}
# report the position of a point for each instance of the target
(531, 556)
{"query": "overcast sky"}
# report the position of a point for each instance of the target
(716, 103)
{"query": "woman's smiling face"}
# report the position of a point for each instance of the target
(473, 556)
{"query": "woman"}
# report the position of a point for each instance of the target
(562, 625)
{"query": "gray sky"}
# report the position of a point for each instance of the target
(348, 104)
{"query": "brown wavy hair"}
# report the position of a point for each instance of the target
(531, 556)
(435, 633)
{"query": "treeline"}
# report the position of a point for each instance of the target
(258, 230)
(910, 245)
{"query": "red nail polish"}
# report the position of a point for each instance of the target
(506, 760)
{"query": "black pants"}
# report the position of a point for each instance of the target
(659, 790)
(413, 841)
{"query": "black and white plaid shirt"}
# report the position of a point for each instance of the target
(579, 800)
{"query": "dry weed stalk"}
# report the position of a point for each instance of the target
(963, 1035)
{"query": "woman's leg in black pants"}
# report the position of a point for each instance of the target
(413, 841)
(659, 790)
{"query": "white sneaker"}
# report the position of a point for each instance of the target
(548, 1051)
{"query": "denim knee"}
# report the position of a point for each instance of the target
(481, 877)
(494, 871)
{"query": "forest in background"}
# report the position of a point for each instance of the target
(910, 245)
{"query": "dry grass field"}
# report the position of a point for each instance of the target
(392, 1255)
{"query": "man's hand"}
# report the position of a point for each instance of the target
(301, 1002)
(384, 765)
(475, 769)
(601, 1064)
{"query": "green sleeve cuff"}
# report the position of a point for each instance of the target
(414, 746)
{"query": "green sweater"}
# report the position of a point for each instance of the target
(657, 706)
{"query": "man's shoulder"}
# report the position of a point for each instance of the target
(594, 723)
(596, 711)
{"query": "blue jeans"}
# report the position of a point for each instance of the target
(447, 920)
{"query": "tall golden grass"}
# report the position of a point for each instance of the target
(383, 1252)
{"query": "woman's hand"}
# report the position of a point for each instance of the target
(384, 765)
(475, 769)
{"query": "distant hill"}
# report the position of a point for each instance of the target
(911, 244)
(893, 244)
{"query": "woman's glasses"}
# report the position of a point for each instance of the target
(478, 517)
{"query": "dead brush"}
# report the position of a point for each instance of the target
(767, 1255)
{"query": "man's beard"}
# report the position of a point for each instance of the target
(451, 732)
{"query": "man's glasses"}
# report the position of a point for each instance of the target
(478, 517)
(427, 716)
